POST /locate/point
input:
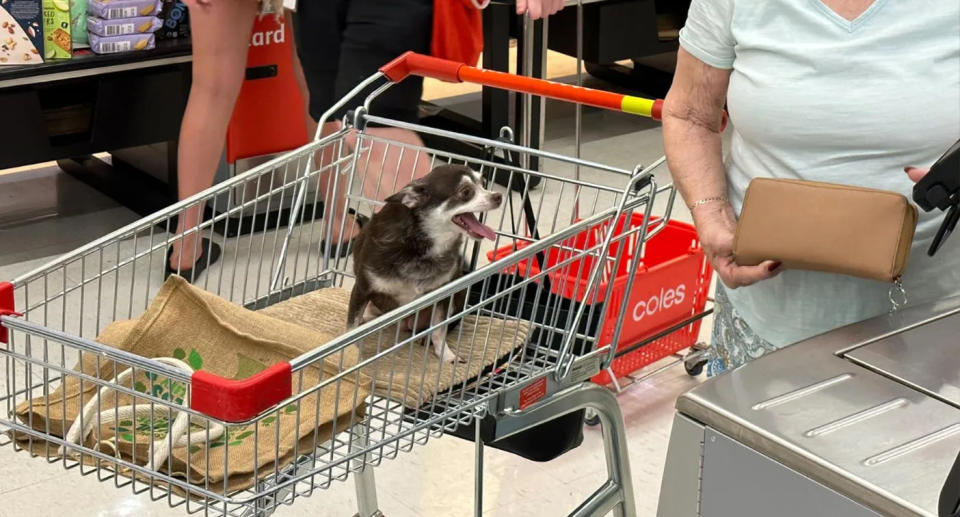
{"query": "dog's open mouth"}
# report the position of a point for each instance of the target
(474, 227)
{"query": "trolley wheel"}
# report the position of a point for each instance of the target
(695, 367)
(591, 418)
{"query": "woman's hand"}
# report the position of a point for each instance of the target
(539, 8)
(916, 174)
(717, 227)
(198, 4)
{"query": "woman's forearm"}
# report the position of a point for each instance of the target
(692, 125)
(695, 157)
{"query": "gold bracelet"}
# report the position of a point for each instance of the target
(707, 200)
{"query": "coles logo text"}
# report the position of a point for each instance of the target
(662, 300)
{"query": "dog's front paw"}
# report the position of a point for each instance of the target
(449, 357)
(445, 354)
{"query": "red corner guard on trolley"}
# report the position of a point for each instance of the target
(239, 400)
(6, 308)
(412, 63)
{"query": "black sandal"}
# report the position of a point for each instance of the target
(202, 263)
(343, 250)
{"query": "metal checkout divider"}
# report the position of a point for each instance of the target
(862, 421)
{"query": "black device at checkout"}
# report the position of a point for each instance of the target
(950, 495)
(940, 188)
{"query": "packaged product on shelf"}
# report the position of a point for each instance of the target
(21, 32)
(139, 25)
(117, 9)
(124, 43)
(78, 23)
(176, 20)
(57, 42)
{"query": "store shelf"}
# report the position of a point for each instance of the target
(87, 64)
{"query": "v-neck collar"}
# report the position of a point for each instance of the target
(849, 25)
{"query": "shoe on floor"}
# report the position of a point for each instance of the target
(202, 263)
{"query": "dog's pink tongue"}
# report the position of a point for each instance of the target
(478, 228)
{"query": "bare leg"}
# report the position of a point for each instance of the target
(383, 168)
(221, 38)
(383, 175)
(390, 166)
(324, 158)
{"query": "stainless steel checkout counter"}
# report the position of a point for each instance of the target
(862, 421)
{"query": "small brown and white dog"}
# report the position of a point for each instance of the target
(413, 246)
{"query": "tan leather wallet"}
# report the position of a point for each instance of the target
(825, 227)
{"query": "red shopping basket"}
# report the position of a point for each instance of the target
(670, 286)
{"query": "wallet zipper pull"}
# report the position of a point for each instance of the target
(897, 294)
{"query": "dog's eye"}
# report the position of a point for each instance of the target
(465, 193)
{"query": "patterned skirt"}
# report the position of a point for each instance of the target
(734, 343)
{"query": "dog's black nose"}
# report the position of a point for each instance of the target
(497, 198)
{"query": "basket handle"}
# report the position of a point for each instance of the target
(421, 65)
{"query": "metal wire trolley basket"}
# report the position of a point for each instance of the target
(251, 436)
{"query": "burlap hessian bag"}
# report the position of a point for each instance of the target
(214, 335)
(411, 374)
(59, 408)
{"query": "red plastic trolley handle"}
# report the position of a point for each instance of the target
(412, 63)
(225, 399)
(6, 308)
(240, 400)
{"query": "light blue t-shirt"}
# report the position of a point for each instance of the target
(813, 96)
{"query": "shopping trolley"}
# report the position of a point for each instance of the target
(50, 317)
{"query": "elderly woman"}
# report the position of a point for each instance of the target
(859, 92)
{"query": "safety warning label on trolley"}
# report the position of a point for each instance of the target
(532, 393)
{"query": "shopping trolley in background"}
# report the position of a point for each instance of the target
(541, 359)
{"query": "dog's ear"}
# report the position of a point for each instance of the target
(412, 196)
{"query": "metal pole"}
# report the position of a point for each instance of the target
(543, 75)
(578, 114)
(478, 472)
(364, 481)
(526, 103)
